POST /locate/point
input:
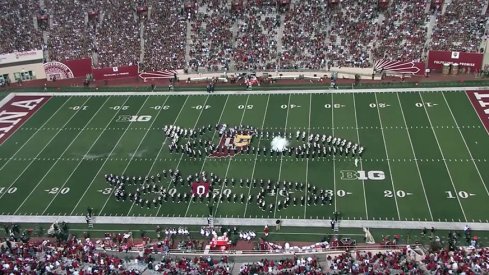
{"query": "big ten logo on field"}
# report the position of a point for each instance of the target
(129, 118)
(200, 188)
(362, 175)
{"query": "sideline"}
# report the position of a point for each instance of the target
(256, 91)
(386, 224)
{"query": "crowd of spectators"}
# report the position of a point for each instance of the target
(165, 36)
(461, 27)
(17, 31)
(304, 38)
(256, 38)
(251, 35)
(118, 37)
(70, 36)
(353, 28)
(296, 265)
(402, 34)
(211, 45)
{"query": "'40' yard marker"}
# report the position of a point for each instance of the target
(292, 106)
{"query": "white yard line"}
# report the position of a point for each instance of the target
(111, 152)
(34, 135)
(56, 162)
(161, 148)
(205, 159)
(256, 156)
(307, 159)
(282, 159)
(42, 150)
(361, 160)
(443, 156)
(334, 156)
(387, 155)
(466, 146)
(181, 156)
(415, 158)
(230, 158)
(137, 148)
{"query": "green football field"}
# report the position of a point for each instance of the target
(425, 155)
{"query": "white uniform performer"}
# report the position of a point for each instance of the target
(356, 162)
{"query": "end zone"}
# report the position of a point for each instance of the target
(480, 102)
(15, 111)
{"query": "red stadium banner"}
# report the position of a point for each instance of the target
(399, 67)
(472, 61)
(68, 69)
(115, 72)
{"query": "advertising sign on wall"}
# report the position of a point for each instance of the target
(115, 72)
(472, 61)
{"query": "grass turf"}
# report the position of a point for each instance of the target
(430, 146)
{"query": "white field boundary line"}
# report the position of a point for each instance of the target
(43, 148)
(181, 156)
(387, 155)
(282, 158)
(307, 160)
(319, 91)
(6, 99)
(136, 150)
(34, 134)
(112, 151)
(466, 146)
(230, 159)
(478, 226)
(57, 160)
(256, 155)
(443, 157)
(414, 155)
(205, 159)
(361, 160)
(161, 149)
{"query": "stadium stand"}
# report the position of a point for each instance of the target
(219, 35)
(461, 28)
(69, 37)
(211, 35)
(16, 28)
(402, 34)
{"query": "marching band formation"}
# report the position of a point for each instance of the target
(313, 145)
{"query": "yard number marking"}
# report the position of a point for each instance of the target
(336, 106)
(291, 106)
(6, 190)
(247, 107)
(160, 107)
(427, 104)
(200, 107)
(461, 194)
(76, 108)
(55, 190)
(380, 105)
(398, 193)
(119, 107)
(340, 193)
